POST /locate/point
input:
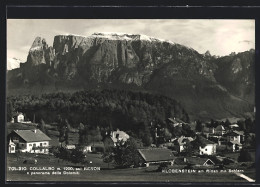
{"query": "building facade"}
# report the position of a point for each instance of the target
(18, 118)
(209, 149)
(30, 141)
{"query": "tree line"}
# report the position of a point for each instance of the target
(126, 110)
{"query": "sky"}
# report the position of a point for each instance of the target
(220, 37)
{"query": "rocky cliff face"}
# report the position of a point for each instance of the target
(40, 53)
(237, 74)
(137, 61)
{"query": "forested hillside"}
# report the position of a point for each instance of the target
(126, 110)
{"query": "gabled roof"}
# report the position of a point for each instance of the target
(234, 125)
(199, 161)
(32, 135)
(239, 132)
(156, 154)
(176, 120)
(220, 128)
(235, 142)
(11, 143)
(182, 139)
(206, 141)
(233, 133)
(17, 114)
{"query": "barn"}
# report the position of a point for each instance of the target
(156, 156)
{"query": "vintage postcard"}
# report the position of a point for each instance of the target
(130, 100)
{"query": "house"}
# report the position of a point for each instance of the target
(176, 122)
(236, 136)
(70, 147)
(31, 141)
(181, 142)
(241, 134)
(119, 136)
(87, 149)
(219, 130)
(234, 146)
(11, 147)
(198, 161)
(209, 148)
(18, 117)
(194, 161)
(156, 156)
(115, 137)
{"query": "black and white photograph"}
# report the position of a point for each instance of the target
(130, 100)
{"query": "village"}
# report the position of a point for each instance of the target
(205, 146)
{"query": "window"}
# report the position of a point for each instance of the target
(30, 144)
(40, 144)
(205, 149)
(34, 145)
(44, 143)
(12, 148)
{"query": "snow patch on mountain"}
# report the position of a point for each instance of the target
(73, 35)
(112, 36)
(127, 36)
(36, 48)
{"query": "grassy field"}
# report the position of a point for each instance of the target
(106, 174)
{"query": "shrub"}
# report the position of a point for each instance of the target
(244, 156)
(162, 166)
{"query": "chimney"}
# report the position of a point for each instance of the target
(34, 130)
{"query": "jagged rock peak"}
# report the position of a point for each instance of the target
(38, 44)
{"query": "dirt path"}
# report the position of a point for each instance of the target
(245, 177)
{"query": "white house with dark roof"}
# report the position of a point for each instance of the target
(31, 141)
(119, 136)
(194, 161)
(236, 136)
(234, 145)
(18, 117)
(197, 161)
(181, 142)
(115, 137)
(209, 148)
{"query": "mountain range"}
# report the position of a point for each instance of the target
(207, 86)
